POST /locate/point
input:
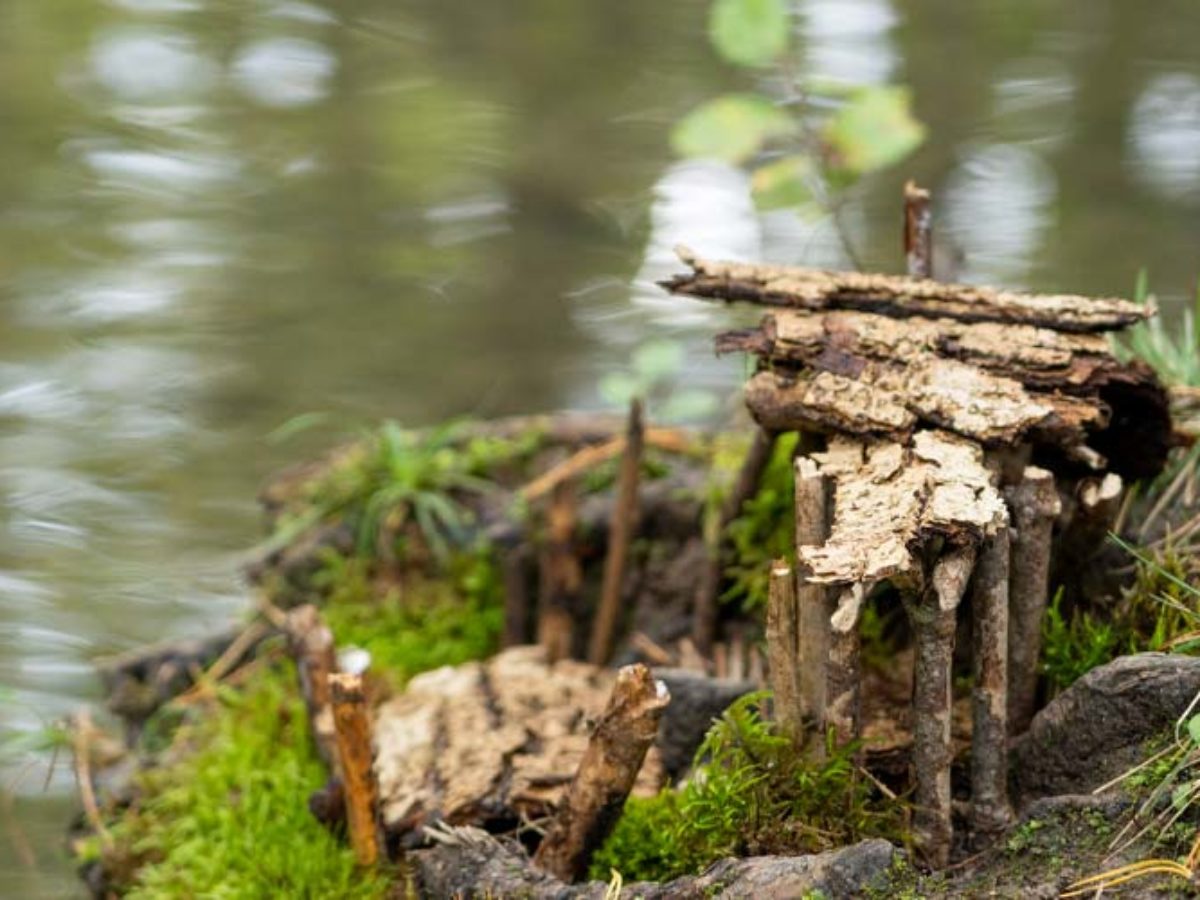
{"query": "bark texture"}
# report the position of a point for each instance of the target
(783, 651)
(606, 775)
(898, 295)
(814, 608)
(989, 733)
(310, 643)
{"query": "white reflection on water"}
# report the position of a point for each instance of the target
(1033, 102)
(160, 171)
(1164, 137)
(997, 207)
(144, 64)
(849, 40)
(284, 72)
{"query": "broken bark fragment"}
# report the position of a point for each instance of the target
(933, 619)
(621, 529)
(310, 643)
(989, 733)
(606, 775)
(704, 622)
(843, 671)
(918, 231)
(899, 296)
(783, 647)
(561, 574)
(356, 753)
(1035, 505)
(812, 600)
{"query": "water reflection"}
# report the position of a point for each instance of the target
(214, 217)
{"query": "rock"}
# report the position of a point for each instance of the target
(478, 866)
(1095, 730)
(696, 700)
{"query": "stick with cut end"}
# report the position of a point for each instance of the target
(561, 574)
(606, 775)
(814, 608)
(1033, 504)
(704, 623)
(918, 231)
(310, 643)
(989, 734)
(621, 529)
(352, 724)
(783, 648)
(934, 619)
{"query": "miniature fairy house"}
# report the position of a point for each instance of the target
(944, 421)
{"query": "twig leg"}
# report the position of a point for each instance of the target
(989, 735)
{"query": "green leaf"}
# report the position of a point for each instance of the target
(874, 130)
(1193, 727)
(782, 183)
(688, 405)
(749, 32)
(655, 360)
(732, 127)
(618, 388)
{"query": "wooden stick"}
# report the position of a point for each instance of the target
(814, 607)
(311, 645)
(606, 775)
(668, 440)
(783, 648)
(843, 672)
(352, 724)
(989, 734)
(81, 742)
(561, 575)
(934, 622)
(620, 531)
(1033, 504)
(514, 564)
(704, 627)
(918, 231)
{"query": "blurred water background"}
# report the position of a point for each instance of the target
(216, 216)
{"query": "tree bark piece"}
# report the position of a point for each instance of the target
(918, 231)
(704, 624)
(606, 775)
(899, 296)
(843, 672)
(620, 533)
(1035, 505)
(561, 574)
(311, 645)
(933, 620)
(989, 734)
(352, 722)
(813, 600)
(783, 648)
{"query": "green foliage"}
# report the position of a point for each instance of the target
(399, 482)
(801, 153)
(874, 130)
(653, 375)
(1073, 645)
(1172, 351)
(751, 793)
(420, 623)
(231, 819)
(749, 32)
(765, 530)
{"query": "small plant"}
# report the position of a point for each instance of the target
(1174, 353)
(751, 793)
(807, 140)
(1074, 644)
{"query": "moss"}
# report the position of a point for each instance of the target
(420, 622)
(752, 794)
(230, 818)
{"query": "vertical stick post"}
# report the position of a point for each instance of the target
(514, 570)
(352, 724)
(620, 532)
(813, 600)
(918, 231)
(561, 574)
(989, 734)
(934, 619)
(1034, 504)
(783, 648)
(843, 670)
(311, 645)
